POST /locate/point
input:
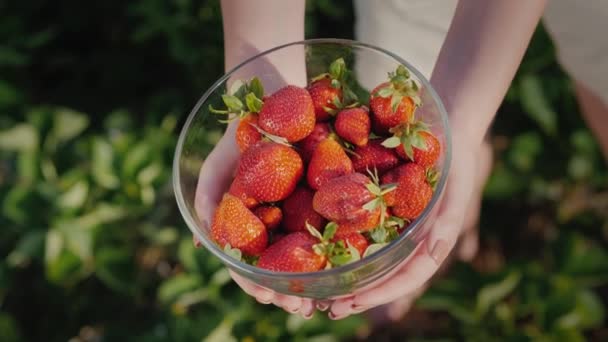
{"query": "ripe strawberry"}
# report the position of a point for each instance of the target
(342, 199)
(297, 211)
(424, 156)
(288, 113)
(237, 189)
(353, 125)
(393, 102)
(270, 171)
(236, 225)
(270, 215)
(369, 221)
(324, 97)
(374, 156)
(391, 177)
(354, 239)
(246, 134)
(328, 161)
(293, 253)
(413, 192)
(309, 144)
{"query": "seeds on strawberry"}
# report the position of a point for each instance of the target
(298, 210)
(353, 125)
(236, 225)
(246, 134)
(413, 192)
(374, 156)
(356, 240)
(288, 113)
(270, 216)
(269, 171)
(324, 98)
(293, 253)
(238, 189)
(393, 102)
(328, 161)
(308, 145)
(343, 198)
(425, 156)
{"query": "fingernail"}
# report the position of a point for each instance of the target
(439, 251)
(308, 315)
(292, 311)
(265, 298)
(359, 308)
(197, 243)
(322, 306)
(263, 301)
(334, 317)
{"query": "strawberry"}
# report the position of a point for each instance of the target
(391, 177)
(413, 192)
(353, 201)
(393, 102)
(328, 161)
(308, 145)
(324, 98)
(427, 154)
(270, 215)
(293, 253)
(238, 189)
(358, 241)
(237, 226)
(330, 91)
(297, 211)
(374, 156)
(288, 113)
(353, 125)
(414, 141)
(246, 134)
(270, 171)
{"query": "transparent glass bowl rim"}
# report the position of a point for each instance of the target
(245, 268)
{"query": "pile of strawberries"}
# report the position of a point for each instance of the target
(323, 180)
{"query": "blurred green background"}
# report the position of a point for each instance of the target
(92, 96)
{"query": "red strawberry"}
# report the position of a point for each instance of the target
(353, 125)
(309, 144)
(391, 177)
(237, 189)
(288, 113)
(270, 171)
(425, 157)
(374, 156)
(354, 239)
(271, 216)
(343, 198)
(413, 192)
(328, 161)
(394, 102)
(324, 97)
(369, 221)
(297, 210)
(246, 134)
(236, 225)
(293, 253)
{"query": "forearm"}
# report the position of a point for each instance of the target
(482, 51)
(254, 26)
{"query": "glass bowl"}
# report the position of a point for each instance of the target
(203, 166)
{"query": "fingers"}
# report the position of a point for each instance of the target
(261, 294)
(308, 308)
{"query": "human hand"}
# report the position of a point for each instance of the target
(457, 215)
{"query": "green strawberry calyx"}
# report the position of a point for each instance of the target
(400, 85)
(337, 253)
(378, 191)
(241, 100)
(339, 76)
(408, 137)
(271, 137)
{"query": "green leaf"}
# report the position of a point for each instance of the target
(402, 71)
(395, 102)
(65, 269)
(68, 124)
(254, 104)
(314, 231)
(136, 158)
(373, 204)
(75, 196)
(524, 150)
(53, 246)
(536, 104)
(102, 160)
(171, 289)
(354, 253)
(453, 305)
(256, 87)
(491, 294)
(21, 137)
(373, 248)
(114, 267)
(337, 69)
(330, 231)
(374, 189)
(9, 95)
(386, 92)
(587, 313)
(379, 234)
(233, 252)
(222, 333)
(418, 142)
(391, 142)
(29, 247)
(232, 102)
(407, 147)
